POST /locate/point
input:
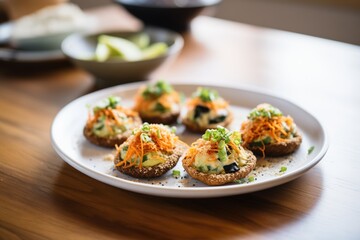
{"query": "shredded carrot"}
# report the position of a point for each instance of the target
(134, 156)
(261, 127)
(166, 100)
(111, 117)
(211, 147)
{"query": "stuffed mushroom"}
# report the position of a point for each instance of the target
(218, 158)
(158, 103)
(268, 132)
(110, 124)
(207, 110)
(151, 151)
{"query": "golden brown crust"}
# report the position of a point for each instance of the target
(194, 127)
(221, 179)
(109, 142)
(165, 119)
(157, 170)
(279, 149)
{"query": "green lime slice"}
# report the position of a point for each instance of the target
(155, 50)
(142, 40)
(124, 48)
(102, 52)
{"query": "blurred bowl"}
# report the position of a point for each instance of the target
(41, 43)
(172, 14)
(80, 48)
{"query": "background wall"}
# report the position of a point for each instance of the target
(333, 19)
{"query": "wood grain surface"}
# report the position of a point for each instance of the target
(42, 197)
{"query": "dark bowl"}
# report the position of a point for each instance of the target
(172, 14)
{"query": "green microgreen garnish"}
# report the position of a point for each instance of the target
(206, 94)
(264, 110)
(283, 169)
(157, 89)
(311, 149)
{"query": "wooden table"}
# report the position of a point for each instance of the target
(42, 197)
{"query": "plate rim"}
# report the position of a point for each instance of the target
(210, 191)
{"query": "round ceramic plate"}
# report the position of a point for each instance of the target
(69, 142)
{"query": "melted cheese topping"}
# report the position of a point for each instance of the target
(109, 122)
(203, 155)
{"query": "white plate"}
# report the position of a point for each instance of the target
(69, 143)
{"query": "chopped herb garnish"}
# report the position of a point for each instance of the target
(236, 137)
(251, 179)
(264, 110)
(176, 173)
(283, 169)
(145, 138)
(222, 136)
(113, 101)
(157, 89)
(221, 133)
(158, 133)
(206, 94)
(110, 102)
(222, 151)
(240, 181)
(311, 149)
(145, 127)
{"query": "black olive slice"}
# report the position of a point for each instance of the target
(231, 168)
(218, 119)
(199, 110)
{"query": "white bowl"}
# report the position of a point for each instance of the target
(81, 47)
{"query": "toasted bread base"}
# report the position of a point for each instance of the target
(109, 142)
(194, 127)
(160, 119)
(157, 170)
(279, 149)
(221, 179)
